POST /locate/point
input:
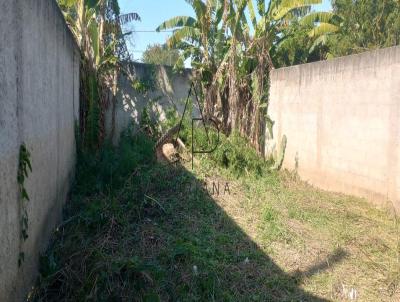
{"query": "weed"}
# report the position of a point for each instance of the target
(24, 166)
(135, 230)
(233, 154)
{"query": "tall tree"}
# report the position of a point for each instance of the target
(251, 58)
(96, 26)
(234, 61)
(161, 55)
(304, 42)
(366, 24)
(202, 37)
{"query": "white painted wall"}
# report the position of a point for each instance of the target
(39, 100)
(342, 121)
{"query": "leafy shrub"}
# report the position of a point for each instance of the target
(233, 153)
(108, 169)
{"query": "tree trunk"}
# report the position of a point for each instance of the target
(238, 106)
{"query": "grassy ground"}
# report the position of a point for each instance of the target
(136, 230)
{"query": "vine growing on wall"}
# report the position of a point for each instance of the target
(23, 167)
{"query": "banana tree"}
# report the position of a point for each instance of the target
(234, 57)
(270, 32)
(205, 39)
(250, 58)
(199, 38)
(328, 24)
(96, 25)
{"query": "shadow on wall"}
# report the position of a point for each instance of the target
(155, 87)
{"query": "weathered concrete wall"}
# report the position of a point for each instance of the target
(170, 91)
(39, 98)
(342, 121)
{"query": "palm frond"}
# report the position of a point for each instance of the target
(315, 17)
(114, 6)
(252, 13)
(220, 9)
(179, 21)
(67, 3)
(223, 65)
(280, 9)
(90, 17)
(261, 6)
(240, 15)
(199, 7)
(184, 33)
(299, 12)
(322, 29)
(321, 40)
(126, 18)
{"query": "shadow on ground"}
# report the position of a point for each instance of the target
(209, 257)
(157, 235)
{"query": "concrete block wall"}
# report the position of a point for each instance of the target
(39, 102)
(342, 121)
(170, 91)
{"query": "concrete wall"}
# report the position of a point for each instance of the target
(170, 91)
(39, 93)
(342, 121)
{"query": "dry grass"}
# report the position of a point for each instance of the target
(339, 247)
(150, 232)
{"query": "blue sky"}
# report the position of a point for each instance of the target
(153, 13)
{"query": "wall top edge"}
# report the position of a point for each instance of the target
(69, 32)
(144, 65)
(383, 56)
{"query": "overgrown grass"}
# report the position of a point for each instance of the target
(136, 230)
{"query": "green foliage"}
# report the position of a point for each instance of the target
(177, 22)
(92, 131)
(366, 25)
(142, 86)
(135, 230)
(147, 124)
(200, 38)
(236, 154)
(108, 196)
(273, 229)
(160, 55)
(295, 49)
(97, 27)
(232, 58)
(127, 234)
(107, 170)
(147, 82)
(145, 120)
(352, 27)
(233, 154)
(24, 167)
(281, 154)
